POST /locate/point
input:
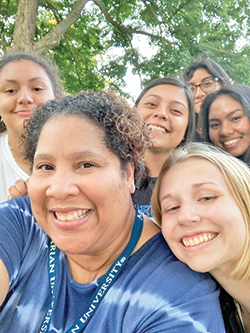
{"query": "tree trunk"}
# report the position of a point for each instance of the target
(25, 25)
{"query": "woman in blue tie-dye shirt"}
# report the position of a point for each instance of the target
(85, 258)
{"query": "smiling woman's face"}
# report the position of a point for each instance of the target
(229, 127)
(79, 194)
(165, 111)
(201, 221)
(23, 86)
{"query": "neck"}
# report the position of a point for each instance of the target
(16, 144)
(88, 267)
(154, 161)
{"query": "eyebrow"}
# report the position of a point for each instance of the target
(196, 185)
(228, 115)
(37, 78)
(208, 77)
(74, 155)
(172, 101)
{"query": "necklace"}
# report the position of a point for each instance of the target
(11, 150)
(105, 284)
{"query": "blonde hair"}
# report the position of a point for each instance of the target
(237, 177)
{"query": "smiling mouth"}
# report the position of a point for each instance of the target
(198, 239)
(230, 142)
(76, 215)
(158, 128)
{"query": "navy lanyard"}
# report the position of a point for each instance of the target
(105, 283)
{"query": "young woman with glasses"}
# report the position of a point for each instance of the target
(203, 77)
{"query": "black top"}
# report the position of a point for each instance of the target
(230, 313)
(143, 195)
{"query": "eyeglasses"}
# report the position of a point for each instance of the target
(207, 86)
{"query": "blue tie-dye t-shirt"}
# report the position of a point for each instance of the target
(154, 292)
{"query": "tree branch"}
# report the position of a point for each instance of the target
(52, 39)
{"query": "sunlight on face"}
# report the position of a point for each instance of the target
(201, 221)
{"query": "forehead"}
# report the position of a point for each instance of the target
(166, 92)
(223, 105)
(71, 130)
(199, 75)
(22, 68)
(190, 172)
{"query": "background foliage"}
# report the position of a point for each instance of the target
(98, 40)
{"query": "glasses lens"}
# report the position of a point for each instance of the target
(208, 85)
(192, 88)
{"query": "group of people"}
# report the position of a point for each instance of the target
(82, 251)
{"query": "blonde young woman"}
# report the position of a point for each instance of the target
(202, 201)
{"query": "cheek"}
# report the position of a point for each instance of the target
(179, 127)
(213, 135)
(36, 190)
(167, 230)
(244, 127)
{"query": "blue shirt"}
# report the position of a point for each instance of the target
(154, 292)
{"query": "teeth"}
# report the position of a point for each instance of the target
(158, 128)
(76, 215)
(192, 241)
(229, 142)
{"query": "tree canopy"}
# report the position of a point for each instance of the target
(95, 41)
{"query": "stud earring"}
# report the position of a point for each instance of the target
(133, 188)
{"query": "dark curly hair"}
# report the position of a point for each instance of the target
(124, 131)
(46, 63)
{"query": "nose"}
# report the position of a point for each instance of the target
(62, 187)
(199, 92)
(161, 112)
(25, 97)
(226, 129)
(188, 214)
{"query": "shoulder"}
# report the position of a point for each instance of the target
(19, 206)
(155, 254)
(171, 296)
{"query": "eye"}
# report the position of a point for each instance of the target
(236, 118)
(45, 167)
(10, 91)
(214, 125)
(192, 87)
(208, 83)
(176, 111)
(207, 198)
(172, 209)
(151, 104)
(86, 165)
(38, 88)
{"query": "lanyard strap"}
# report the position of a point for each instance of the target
(105, 284)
